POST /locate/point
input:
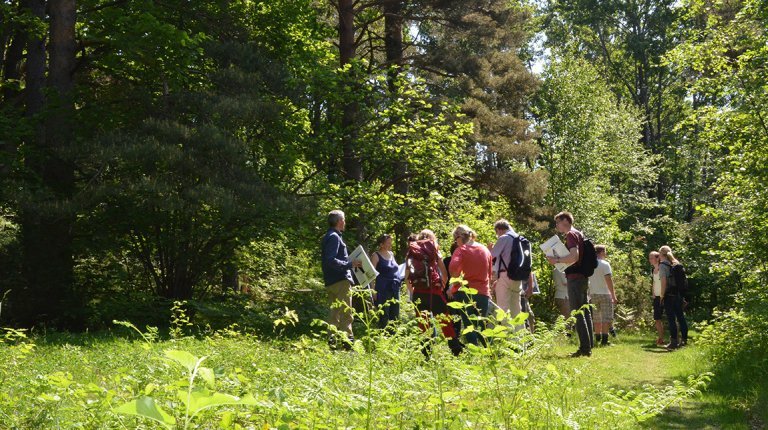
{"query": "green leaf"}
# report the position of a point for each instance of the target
(469, 329)
(520, 319)
(201, 399)
(207, 374)
(149, 389)
(147, 408)
(182, 357)
(227, 419)
(458, 305)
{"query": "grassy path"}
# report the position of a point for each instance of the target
(633, 361)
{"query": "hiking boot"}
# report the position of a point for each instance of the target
(671, 346)
(581, 353)
(612, 332)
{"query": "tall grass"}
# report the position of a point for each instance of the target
(384, 382)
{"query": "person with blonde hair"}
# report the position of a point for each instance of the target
(658, 307)
(473, 261)
(672, 299)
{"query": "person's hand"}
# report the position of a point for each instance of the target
(357, 263)
(614, 300)
(661, 300)
(490, 245)
(551, 260)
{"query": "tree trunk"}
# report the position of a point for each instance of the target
(393, 44)
(47, 223)
(352, 166)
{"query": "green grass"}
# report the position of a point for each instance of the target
(71, 381)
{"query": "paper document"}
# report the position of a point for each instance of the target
(366, 274)
(554, 247)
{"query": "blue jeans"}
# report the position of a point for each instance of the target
(577, 296)
(389, 290)
(470, 314)
(673, 306)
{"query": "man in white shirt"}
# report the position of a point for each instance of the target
(603, 296)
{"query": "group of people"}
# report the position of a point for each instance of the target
(668, 297)
(434, 281)
(428, 278)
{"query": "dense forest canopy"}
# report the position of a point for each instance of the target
(175, 150)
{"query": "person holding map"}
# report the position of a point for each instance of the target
(336, 266)
(577, 282)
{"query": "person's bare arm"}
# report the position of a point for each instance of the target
(609, 283)
(443, 270)
(374, 262)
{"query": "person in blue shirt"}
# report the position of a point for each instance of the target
(387, 284)
(338, 278)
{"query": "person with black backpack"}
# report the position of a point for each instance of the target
(583, 260)
(511, 266)
(673, 286)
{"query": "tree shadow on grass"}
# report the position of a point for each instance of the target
(706, 413)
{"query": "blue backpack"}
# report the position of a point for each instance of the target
(519, 263)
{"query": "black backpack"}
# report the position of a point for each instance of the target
(519, 265)
(588, 258)
(680, 278)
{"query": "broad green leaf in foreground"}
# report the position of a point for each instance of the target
(147, 408)
(201, 398)
(182, 357)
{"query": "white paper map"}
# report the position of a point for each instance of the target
(554, 247)
(367, 273)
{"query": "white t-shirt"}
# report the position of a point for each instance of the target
(597, 284)
(657, 284)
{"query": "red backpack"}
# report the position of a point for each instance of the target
(421, 263)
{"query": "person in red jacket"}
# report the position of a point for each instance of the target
(473, 261)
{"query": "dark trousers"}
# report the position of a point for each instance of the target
(469, 315)
(577, 297)
(673, 306)
(434, 306)
(388, 299)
